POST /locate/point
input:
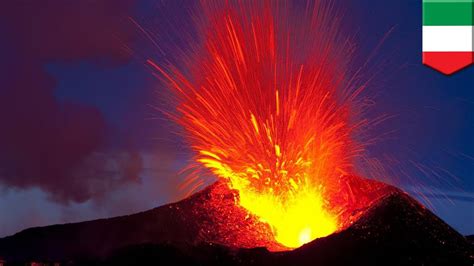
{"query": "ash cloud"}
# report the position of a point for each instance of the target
(59, 147)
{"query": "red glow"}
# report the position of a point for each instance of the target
(270, 110)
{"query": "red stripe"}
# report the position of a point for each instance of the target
(448, 62)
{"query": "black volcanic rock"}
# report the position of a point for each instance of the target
(470, 238)
(98, 238)
(396, 230)
(193, 220)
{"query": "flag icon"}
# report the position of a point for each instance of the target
(448, 34)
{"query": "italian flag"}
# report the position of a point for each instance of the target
(448, 34)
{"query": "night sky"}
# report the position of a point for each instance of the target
(81, 136)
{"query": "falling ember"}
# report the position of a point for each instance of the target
(270, 110)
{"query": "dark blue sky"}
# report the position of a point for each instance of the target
(430, 147)
(433, 122)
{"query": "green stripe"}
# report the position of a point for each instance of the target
(448, 13)
(448, 1)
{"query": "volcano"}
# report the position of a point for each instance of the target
(209, 228)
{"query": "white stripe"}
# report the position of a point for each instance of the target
(448, 38)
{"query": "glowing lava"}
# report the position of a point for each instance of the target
(296, 220)
(269, 108)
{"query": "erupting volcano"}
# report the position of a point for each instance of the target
(271, 108)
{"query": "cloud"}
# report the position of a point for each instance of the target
(67, 30)
(33, 207)
(59, 147)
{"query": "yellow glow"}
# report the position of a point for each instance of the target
(296, 220)
(305, 236)
(296, 217)
(254, 123)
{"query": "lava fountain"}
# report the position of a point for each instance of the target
(270, 107)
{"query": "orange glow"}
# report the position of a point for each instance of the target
(269, 111)
(295, 221)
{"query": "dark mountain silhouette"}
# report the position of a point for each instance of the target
(207, 216)
(394, 230)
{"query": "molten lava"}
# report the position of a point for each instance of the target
(269, 107)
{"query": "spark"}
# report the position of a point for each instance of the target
(274, 124)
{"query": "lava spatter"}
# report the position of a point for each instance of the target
(270, 109)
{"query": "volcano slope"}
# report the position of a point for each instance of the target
(209, 229)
